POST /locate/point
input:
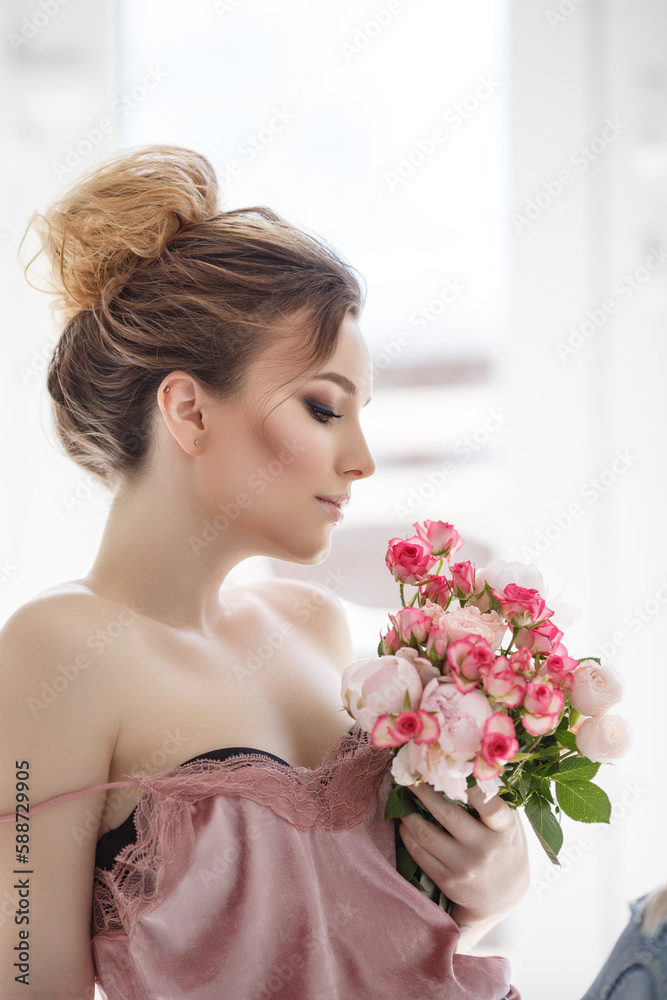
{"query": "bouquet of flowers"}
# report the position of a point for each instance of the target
(472, 684)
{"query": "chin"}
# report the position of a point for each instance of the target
(300, 551)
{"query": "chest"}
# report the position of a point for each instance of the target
(262, 692)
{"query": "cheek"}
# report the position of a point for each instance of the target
(297, 443)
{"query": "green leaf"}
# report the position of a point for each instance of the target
(407, 704)
(546, 752)
(596, 658)
(583, 801)
(542, 787)
(575, 769)
(400, 802)
(494, 603)
(405, 863)
(546, 826)
(524, 785)
(567, 739)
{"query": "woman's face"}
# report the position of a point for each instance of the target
(269, 455)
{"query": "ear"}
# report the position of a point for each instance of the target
(184, 406)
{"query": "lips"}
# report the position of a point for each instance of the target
(341, 500)
(333, 509)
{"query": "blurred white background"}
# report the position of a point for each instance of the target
(497, 172)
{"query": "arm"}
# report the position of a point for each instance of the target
(67, 743)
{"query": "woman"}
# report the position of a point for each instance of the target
(225, 817)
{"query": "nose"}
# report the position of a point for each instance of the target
(364, 461)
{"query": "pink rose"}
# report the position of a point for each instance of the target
(463, 578)
(504, 683)
(595, 688)
(376, 687)
(436, 644)
(604, 738)
(430, 762)
(467, 659)
(409, 623)
(438, 590)
(540, 639)
(389, 642)
(426, 670)
(542, 706)
(418, 726)
(460, 622)
(559, 666)
(448, 761)
(409, 559)
(523, 662)
(442, 537)
(521, 605)
(499, 745)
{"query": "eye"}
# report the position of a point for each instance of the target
(321, 413)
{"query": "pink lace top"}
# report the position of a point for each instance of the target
(271, 882)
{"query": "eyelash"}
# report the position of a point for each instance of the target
(322, 410)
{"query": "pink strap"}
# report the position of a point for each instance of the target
(65, 797)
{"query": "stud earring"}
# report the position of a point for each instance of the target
(196, 442)
(166, 388)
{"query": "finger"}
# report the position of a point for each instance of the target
(494, 813)
(460, 824)
(421, 843)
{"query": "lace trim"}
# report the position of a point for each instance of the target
(336, 795)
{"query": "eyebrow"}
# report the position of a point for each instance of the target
(346, 385)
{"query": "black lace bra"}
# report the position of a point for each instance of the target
(113, 841)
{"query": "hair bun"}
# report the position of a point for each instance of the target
(119, 216)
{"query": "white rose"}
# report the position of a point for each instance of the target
(595, 688)
(604, 738)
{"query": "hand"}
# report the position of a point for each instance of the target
(480, 864)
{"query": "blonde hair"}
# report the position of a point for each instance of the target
(152, 276)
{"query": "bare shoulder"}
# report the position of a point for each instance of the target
(65, 639)
(68, 616)
(315, 610)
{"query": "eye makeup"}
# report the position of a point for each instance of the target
(321, 413)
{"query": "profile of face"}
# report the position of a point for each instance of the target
(263, 459)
